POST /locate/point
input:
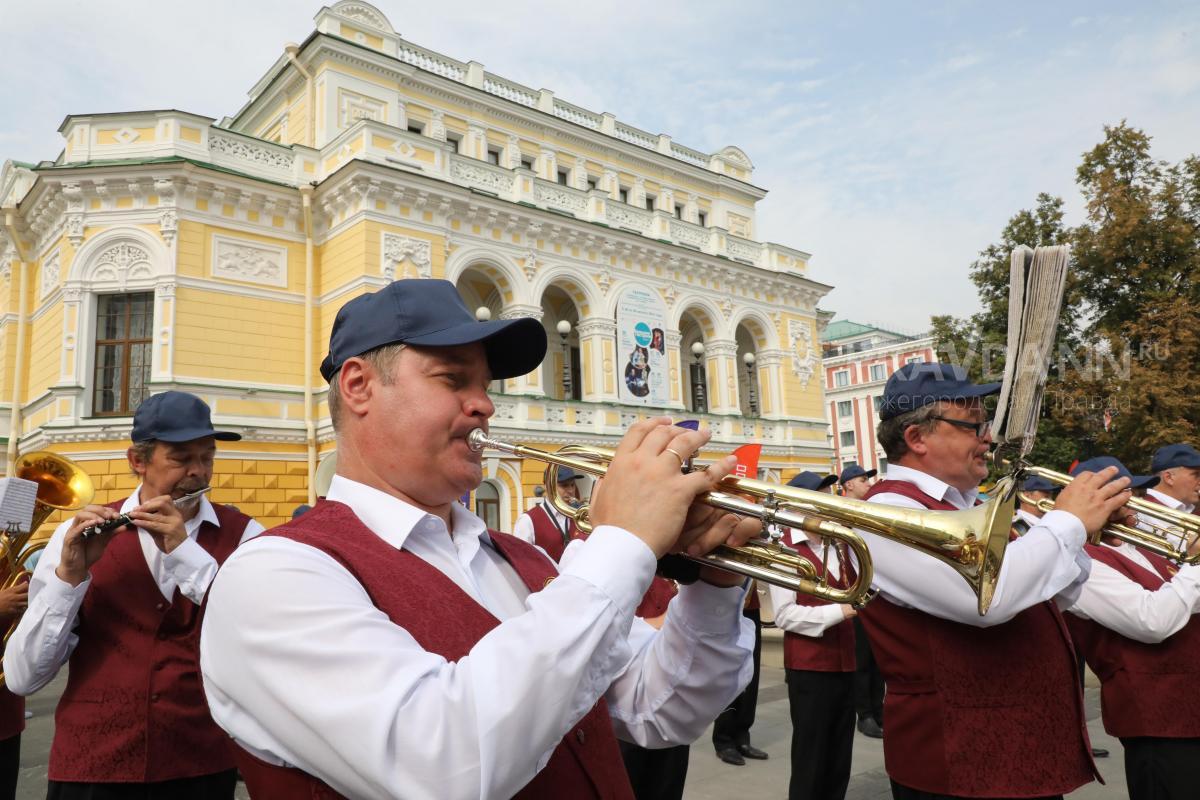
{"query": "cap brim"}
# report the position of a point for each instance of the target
(191, 434)
(1144, 481)
(827, 481)
(979, 390)
(514, 346)
(871, 473)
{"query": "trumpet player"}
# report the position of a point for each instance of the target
(544, 525)
(977, 706)
(386, 644)
(1135, 623)
(819, 659)
(1178, 469)
(1034, 489)
(123, 608)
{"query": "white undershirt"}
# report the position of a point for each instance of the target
(1046, 563)
(301, 668)
(44, 639)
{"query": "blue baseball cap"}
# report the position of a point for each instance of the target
(430, 313)
(175, 417)
(1102, 462)
(914, 386)
(1174, 455)
(567, 474)
(1035, 483)
(855, 471)
(812, 481)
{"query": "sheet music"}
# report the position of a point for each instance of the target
(16, 502)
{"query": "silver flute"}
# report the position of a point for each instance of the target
(125, 519)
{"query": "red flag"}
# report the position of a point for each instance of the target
(747, 456)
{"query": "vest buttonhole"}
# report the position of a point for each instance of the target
(580, 736)
(154, 698)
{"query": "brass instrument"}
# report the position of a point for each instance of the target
(971, 541)
(1170, 524)
(62, 486)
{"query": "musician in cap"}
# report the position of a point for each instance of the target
(124, 608)
(977, 705)
(386, 644)
(1134, 621)
(855, 481)
(1178, 469)
(1034, 489)
(547, 527)
(819, 660)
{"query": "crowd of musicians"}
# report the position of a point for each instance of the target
(385, 643)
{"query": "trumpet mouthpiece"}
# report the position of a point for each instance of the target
(477, 440)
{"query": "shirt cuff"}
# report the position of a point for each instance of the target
(61, 597)
(617, 562)
(186, 560)
(711, 610)
(1065, 526)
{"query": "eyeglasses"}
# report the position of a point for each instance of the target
(980, 429)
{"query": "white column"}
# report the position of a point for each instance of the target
(720, 356)
(597, 345)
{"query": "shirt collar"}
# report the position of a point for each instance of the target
(1170, 502)
(935, 488)
(206, 513)
(394, 520)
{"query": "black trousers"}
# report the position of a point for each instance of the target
(219, 786)
(10, 766)
(732, 727)
(656, 774)
(868, 680)
(1162, 769)
(904, 793)
(822, 708)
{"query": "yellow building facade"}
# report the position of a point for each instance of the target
(165, 250)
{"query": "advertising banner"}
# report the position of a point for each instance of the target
(642, 348)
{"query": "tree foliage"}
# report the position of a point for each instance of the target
(1127, 335)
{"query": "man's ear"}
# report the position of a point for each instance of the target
(356, 383)
(914, 440)
(135, 462)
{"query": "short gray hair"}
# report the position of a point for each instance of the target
(891, 431)
(143, 451)
(381, 359)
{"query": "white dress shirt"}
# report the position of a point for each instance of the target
(302, 669)
(523, 529)
(811, 621)
(1123, 606)
(45, 638)
(1043, 564)
(1171, 502)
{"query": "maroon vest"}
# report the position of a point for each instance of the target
(444, 620)
(1145, 689)
(832, 652)
(979, 712)
(134, 708)
(547, 535)
(657, 598)
(12, 706)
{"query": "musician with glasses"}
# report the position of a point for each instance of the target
(977, 706)
(1135, 623)
(124, 607)
(386, 644)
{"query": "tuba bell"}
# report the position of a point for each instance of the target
(62, 486)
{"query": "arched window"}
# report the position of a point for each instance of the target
(487, 504)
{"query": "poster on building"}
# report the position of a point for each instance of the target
(642, 348)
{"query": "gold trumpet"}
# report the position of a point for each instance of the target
(1168, 522)
(972, 542)
(62, 486)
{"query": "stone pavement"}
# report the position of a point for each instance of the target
(708, 777)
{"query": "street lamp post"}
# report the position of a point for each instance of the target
(749, 360)
(698, 399)
(564, 330)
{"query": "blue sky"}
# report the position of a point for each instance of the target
(895, 138)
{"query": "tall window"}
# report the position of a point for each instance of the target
(878, 372)
(487, 504)
(847, 438)
(841, 378)
(844, 409)
(123, 333)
